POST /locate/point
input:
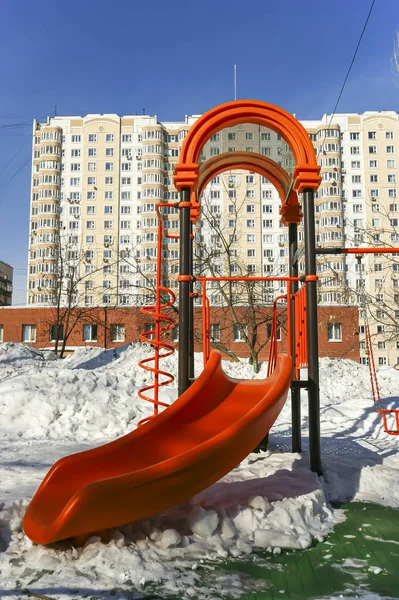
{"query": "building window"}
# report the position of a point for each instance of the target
(92, 137)
(56, 332)
(334, 332)
(109, 166)
(109, 137)
(382, 361)
(109, 181)
(117, 332)
(147, 328)
(29, 333)
(269, 328)
(109, 151)
(89, 333)
(215, 332)
(107, 299)
(239, 333)
(91, 166)
(91, 181)
(390, 149)
(92, 151)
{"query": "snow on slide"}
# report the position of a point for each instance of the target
(207, 432)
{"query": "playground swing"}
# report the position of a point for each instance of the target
(375, 388)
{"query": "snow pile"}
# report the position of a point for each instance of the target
(262, 504)
(70, 404)
(270, 502)
(18, 358)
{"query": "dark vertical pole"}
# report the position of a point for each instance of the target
(312, 332)
(184, 294)
(295, 391)
(191, 315)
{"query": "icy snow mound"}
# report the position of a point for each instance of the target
(19, 358)
(71, 404)
(283, 506)
(124, 361)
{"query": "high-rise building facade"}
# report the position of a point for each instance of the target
(6, 277)
(96, 181)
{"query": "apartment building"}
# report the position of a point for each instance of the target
(6, 278)
(96, 181)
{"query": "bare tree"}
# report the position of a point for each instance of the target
(70, 283)
(246, 305)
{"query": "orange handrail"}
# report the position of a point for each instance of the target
(158, 344)
(206, 323)
(273, 337)
(301, 346)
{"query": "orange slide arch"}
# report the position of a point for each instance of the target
(251, 161)
(306, 173)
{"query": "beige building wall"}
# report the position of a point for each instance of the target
(96, 181)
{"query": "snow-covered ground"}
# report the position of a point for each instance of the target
(50, 408)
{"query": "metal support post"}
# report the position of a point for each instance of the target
(191, 315)
(295, 390)
(184, 294)
(312, 332)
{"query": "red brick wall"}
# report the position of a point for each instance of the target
(13, 319)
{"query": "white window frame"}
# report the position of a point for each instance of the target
(334, 332)
(88, 327)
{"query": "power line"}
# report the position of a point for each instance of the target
(13, 176)
(353, 58)
(16, 154)
(349, 69)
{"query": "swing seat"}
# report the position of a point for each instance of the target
(384, 412)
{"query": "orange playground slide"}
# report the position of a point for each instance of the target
(204, 434)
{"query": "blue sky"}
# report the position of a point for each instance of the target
(176, 58)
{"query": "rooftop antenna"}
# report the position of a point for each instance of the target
(55, 110)
(143, 111)
(235, 82)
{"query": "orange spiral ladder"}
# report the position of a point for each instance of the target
(162, 349)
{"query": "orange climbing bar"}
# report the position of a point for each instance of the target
(248, 278)
(370, 250)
